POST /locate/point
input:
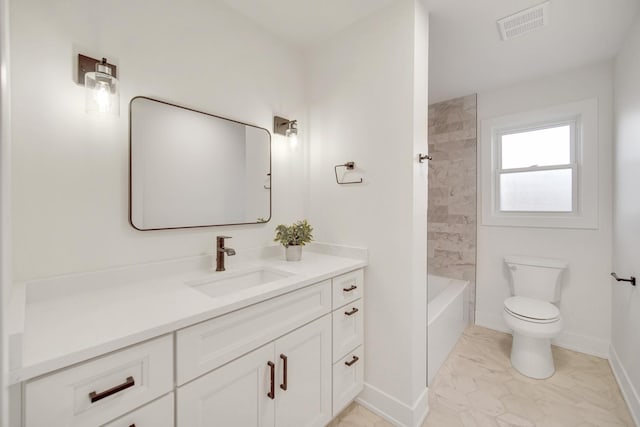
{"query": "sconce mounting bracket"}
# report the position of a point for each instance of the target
(87, 64)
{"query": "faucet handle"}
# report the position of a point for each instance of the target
(224, 237)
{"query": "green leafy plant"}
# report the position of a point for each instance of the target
(298, 233)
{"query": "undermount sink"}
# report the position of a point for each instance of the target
(229, 282)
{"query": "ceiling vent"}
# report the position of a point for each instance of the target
(524, 21)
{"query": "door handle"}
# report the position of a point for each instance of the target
(94, 396)
(352, 361)
(352, 312)
(272, 388)
(284, 372)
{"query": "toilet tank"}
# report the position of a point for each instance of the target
(537, 278)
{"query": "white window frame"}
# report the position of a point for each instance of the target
(572, 122)
(583, 116)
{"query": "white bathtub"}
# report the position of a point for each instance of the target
(448, 317)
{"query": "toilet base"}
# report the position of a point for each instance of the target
(532, 356)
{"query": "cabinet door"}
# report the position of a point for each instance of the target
(232, 395)
(306, 352)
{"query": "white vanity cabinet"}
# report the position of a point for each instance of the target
(284, 383)
(208, 345)
(96, 392)
(234, 394)
(348, 324)
(292, 360)
(155, 414)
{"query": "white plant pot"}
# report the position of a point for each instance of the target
(293, 253)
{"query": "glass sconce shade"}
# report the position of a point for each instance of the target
(288, 128)
(292, 133)
(292, 128)
(101, 90)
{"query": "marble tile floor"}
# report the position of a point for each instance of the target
(477, 387)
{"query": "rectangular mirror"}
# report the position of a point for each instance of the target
(194, 169)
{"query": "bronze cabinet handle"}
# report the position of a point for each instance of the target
(354, 360)
(129, 382)
(132, 425)
(350, 288)
(284, 372)
(352, 312)
(272, 388)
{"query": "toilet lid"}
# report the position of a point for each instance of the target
(531, 308)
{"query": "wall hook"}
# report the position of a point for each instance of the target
(423, 157)
(349, 166)
(631, 280)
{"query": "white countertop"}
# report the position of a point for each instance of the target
(66, 321)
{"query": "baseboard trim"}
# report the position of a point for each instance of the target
(630, 394)
(581, 343)
(393, 410)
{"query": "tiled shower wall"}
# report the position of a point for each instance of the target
(452, 213)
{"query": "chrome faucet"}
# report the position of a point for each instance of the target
(221, 251)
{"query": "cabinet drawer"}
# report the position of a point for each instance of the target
(347, 329)
(117, 383)
(347, 288)
(208, 345)
(154, 414)
(348, 375)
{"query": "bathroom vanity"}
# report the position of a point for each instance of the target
(265, 343)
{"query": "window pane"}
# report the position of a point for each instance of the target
(538, 191)
(543, 147)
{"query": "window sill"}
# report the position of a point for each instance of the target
(541, 221)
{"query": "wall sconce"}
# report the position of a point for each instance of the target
(101, 85)
(288, 128)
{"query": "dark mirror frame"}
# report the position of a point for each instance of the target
(270, 174)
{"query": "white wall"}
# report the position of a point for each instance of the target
(626, 219)
(5, 207)
(586, 294)
(367, 95)
(70, 179)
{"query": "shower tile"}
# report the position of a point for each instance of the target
(451, 213)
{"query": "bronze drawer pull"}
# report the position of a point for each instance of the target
(272, 392)
(352, 312)
(99, 396)
(354, 360)
(351, 288)
(284, 372)
(132, 425)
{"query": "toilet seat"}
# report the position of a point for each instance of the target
(531, 310)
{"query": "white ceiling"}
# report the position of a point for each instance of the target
(303, 23)
(466, 53)
(467, 56)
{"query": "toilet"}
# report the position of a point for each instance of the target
(531, 314)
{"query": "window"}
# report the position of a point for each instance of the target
(540, 168)
(536, 169)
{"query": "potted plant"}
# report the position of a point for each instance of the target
(293, 238)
